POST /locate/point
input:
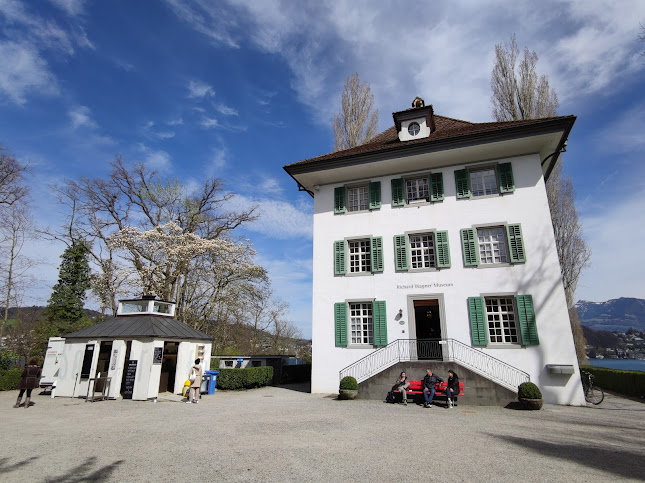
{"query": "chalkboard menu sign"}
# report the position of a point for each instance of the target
(130, 375)
(158, 355)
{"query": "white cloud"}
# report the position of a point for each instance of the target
(198, 89)
(80, 117)
(208, 18)
(218, 160)
(291, 280)
(277, 219)
(615, 237)
(157, 159)
(209, 122)
(153, 133)
(227, 111)
(447, 60)
(23, 71)
(71, 7)
(625, 134)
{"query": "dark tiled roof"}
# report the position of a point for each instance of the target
(134, 326)
(446, 129)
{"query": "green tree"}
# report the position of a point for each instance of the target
(64, 312)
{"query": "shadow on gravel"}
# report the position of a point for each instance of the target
(616, 462)
(297, 386)
(86, 471)
(5, 467)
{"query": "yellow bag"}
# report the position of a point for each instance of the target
(186, 388)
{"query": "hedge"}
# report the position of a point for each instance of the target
(9, 379)
(629, 383)
(244, 378)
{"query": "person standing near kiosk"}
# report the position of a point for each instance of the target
(195, 378)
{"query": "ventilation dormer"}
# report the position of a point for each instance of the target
(146, 305)
(416, 122)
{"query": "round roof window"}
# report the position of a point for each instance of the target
(414, 128)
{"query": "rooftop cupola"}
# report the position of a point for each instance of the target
(416, 122)
(146, 305)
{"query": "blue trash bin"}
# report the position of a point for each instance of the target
(212, 380)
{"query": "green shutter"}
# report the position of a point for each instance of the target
(339, 258)
(339, 200)
(515, 243)
(398, 192)
(377, 253)
(526, 313)
(401, 252)
(375, 195)
(469, 247)
(379, 320)
(442, 249)
(505, 178)
(462, 183)
(477, 312)
(436, 187)
(340, 324)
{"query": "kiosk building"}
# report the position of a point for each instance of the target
(143, 351)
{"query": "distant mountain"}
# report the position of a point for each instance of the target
(617, 315)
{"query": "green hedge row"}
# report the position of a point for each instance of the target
(629, 383)
(244, 378)
(9, 379)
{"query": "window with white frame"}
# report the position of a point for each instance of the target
(492, 245)
(501, 320)
(483, 182)
(417, 189)
(358, 198)
(360, 257)
(361, 323)
(422, 250)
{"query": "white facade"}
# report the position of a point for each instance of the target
(70, 383)
(449, 289)
(128, 349)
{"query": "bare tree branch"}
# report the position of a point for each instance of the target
(353, 124)
(518, 93)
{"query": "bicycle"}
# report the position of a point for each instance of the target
(593, 394)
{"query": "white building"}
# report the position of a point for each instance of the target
(434, 241)
(143, 350)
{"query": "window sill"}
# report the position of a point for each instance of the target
(494, 265)
(500, 345)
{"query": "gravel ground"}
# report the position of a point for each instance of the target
(284, 434)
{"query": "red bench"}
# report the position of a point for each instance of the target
(416, 387)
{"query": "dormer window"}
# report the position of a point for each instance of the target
(414, 129)
(416, 122)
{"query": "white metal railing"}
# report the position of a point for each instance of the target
(449, 350)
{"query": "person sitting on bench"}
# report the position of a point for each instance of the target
(401, 385)
(429, 383)
(452, 389)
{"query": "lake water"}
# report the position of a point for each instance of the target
(621, 364)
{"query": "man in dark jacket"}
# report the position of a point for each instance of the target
(429, 383)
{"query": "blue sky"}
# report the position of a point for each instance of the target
(239, 89)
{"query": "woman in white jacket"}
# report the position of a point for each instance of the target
(195, 378)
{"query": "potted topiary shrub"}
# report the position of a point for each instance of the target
(348, 388)
(529, 396)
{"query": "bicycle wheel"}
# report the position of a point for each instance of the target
(594, 395)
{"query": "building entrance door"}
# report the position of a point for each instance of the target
(428, 327)
(168, 367)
